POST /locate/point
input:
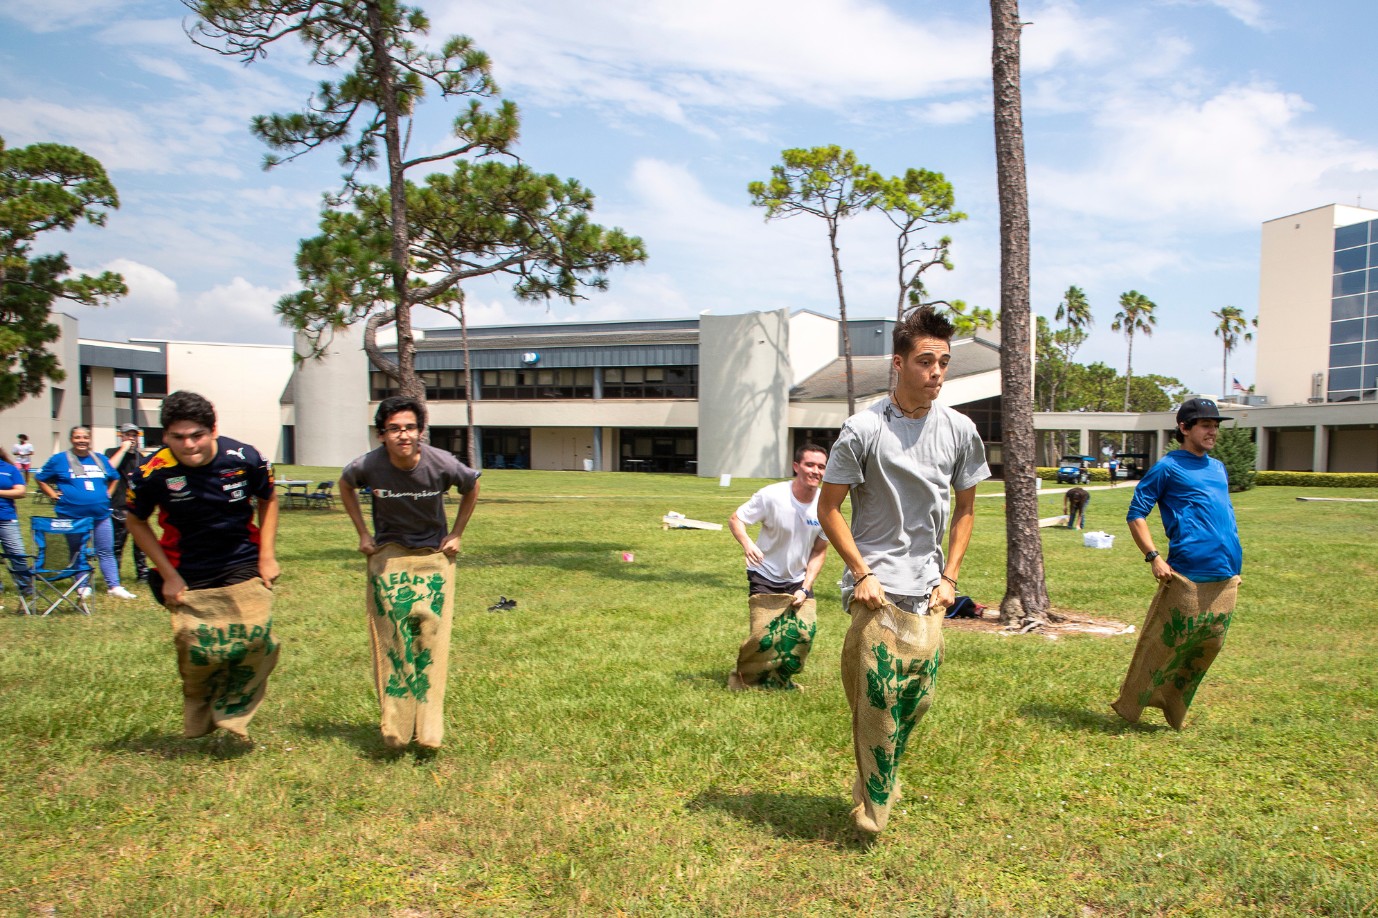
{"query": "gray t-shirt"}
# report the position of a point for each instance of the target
(409, 506)
(902, 472)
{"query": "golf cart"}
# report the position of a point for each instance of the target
(1132, 466)
(1074, 469)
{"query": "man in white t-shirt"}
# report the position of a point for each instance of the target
(781, 566)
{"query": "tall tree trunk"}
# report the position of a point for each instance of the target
(472, 450)
(842, 313)
(1129, 371)
(1026, 593)
(1225, 373)
(408, 383)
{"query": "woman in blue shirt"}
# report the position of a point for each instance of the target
(80, 483)
(12, 541)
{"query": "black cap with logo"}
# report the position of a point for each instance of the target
(1199, 409)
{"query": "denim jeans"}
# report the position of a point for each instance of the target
(13, 543)
(104, 539)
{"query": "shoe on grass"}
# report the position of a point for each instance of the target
(120, 592)
(84, 593)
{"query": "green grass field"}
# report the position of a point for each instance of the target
(595, 764)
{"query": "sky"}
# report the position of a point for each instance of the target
(1160, 134)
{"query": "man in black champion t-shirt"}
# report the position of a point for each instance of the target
(204, 487)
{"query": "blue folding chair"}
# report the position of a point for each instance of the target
(62, 564)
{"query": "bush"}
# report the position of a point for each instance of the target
(1050, 474)
(1318, 479)
(1235, 447)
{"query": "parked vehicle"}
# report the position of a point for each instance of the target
(1132, 466)
(1074, 469)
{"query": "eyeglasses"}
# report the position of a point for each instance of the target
(393, 430)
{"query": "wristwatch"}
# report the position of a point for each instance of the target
(1150, 556)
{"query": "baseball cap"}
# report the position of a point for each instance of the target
(1197, 409)
(130, 428)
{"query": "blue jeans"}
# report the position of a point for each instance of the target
(13, 543)
(103, 535)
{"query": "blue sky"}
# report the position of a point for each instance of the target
(1160, 134)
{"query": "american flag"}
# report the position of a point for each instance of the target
(1238, 386)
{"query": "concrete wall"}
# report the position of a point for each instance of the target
(34, 415)
(100, 408)
(561, 448)
(1292, 450)
(1296, 269)
(744, 382)
(334, 417)
(609, 413)
(1354, 450)
(243, 381)
(812, 344)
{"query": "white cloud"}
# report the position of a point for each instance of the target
(656, 57)
(56, 15)
(1249, 12)
(1235, 158)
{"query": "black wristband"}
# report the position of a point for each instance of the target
(857, 581)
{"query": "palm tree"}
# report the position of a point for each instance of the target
(1135, 315)
(1233, 329)
(1075, 311)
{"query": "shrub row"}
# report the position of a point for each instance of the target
(1319, 479)
(1050, 474)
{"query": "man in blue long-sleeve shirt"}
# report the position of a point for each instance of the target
(1199, 578)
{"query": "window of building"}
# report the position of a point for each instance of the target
(506, 447)
(565, 382)
(1354, 315)
(985, 414)
(657, 450)
(651, 382)
(441, 385)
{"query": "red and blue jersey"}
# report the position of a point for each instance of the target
(206, 513)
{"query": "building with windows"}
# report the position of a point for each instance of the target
(715, 395)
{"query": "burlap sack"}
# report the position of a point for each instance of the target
(890, 661)
(225, 653)
(1184, 630)
(779, 642)
(411, 601)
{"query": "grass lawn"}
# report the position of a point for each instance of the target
(594, 762)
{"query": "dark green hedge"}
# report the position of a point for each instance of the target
(1319, 479)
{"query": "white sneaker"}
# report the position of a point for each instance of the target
(84, 592)
(120, 592)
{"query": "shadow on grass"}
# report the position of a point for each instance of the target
(807, 816)
(1070, 717)
(602, 558)
(706, 678)
(172, 746)
(365, 737)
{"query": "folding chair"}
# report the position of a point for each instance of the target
(62, 563)
(323, 496)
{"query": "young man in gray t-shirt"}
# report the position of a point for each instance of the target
(901, 461)
(411, 559)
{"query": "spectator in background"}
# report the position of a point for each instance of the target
(1074, 501)
(125, 460)
(11, 539)
(22, 456)
(80, 482)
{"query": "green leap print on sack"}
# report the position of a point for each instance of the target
(229, 645)
(1187, 634)
(908, 684)
(395, 596)
(784, 635)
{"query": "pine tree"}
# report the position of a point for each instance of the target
(1235, 447)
